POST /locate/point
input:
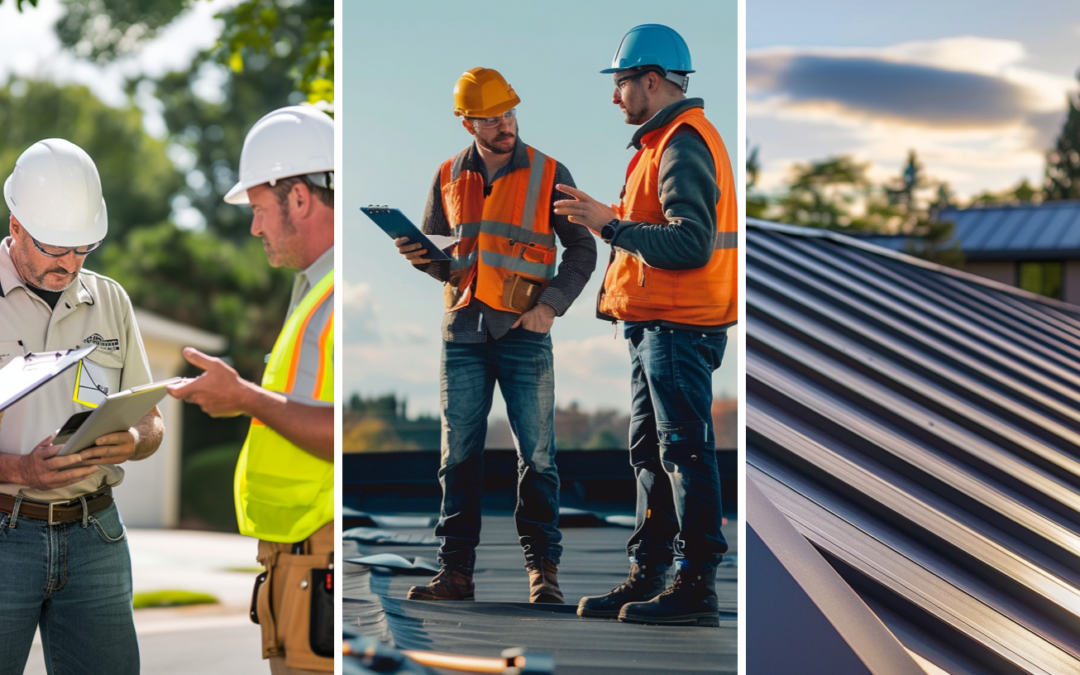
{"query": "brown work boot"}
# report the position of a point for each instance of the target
(451, 583)
(544, 582)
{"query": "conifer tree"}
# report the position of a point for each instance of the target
(1063, 162)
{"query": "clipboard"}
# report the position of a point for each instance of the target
(394, 223)
(26, 373)
(118, 412)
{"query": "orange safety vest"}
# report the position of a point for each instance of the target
(706, 296)
(506, 255)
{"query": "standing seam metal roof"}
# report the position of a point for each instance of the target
(1050, 230)
(921, 427)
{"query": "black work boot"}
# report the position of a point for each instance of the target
(690, 601)
(451, 583)
(641, 584)
(544, 582)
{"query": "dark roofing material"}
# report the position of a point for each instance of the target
(1047, 231)
(594, 560)
(921, 427)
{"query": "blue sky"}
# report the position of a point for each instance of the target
(399, 66)
(977, 88)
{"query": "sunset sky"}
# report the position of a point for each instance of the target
(978, 89)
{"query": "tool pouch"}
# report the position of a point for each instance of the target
(285, 607)
(321, 637)
(520, 294)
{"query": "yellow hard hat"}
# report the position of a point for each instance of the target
(483, 92)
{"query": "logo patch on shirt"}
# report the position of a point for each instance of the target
(102, 343)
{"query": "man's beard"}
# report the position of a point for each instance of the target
(37, 280)
(278, 253)
(497, 151)
(636, 116)
(40, 282)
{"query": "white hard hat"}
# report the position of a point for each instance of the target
(55, 194)
(292, 141)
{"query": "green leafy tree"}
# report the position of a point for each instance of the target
(19, 3)
(102, 31)
(1022, 193)
(1063, 162)
(756, 204)
(824, 194)
(137, 176)
(300, 33)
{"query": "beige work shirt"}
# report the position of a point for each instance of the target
(94, 309)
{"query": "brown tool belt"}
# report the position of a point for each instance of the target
(58, 512)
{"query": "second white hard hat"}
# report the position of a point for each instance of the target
(55, 194)
(291, 141)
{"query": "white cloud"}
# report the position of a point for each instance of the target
(975, 113)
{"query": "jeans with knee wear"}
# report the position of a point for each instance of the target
(672, 447)
(73, 581)
(521, 362)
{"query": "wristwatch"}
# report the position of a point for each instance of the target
(607, 232)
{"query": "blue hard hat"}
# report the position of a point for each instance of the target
(652, 44)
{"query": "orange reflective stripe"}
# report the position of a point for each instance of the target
(295, 360)
(324, 337)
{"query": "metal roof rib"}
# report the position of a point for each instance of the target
(921, 427)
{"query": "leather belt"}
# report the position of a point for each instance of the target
(58, 512)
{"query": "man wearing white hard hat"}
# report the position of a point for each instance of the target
(66, 565)
(284, 484)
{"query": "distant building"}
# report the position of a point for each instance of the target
(1035, 247)
(150, 493)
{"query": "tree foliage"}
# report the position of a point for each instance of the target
(824, 194)
(19, 3)
(101, 31)
(1063, 162)
(137, 177)
(756, 204)
(302, 34)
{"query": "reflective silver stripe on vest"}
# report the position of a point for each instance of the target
(458, 263)
(536, 176)
(492, 259)
(726, 240)
(466, 230)
(307, 367)
(508, 230)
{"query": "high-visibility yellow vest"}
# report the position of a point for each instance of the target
(284, 494)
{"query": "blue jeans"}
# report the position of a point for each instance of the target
(672, 447)
(73, 580)
(521, 362)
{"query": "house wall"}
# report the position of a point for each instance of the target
(1071, 292)
(150, 493)
(1003, 271)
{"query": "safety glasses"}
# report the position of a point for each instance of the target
(61, 251)
(492, 122)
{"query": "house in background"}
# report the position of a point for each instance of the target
(150, 493)
(1035, 247)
